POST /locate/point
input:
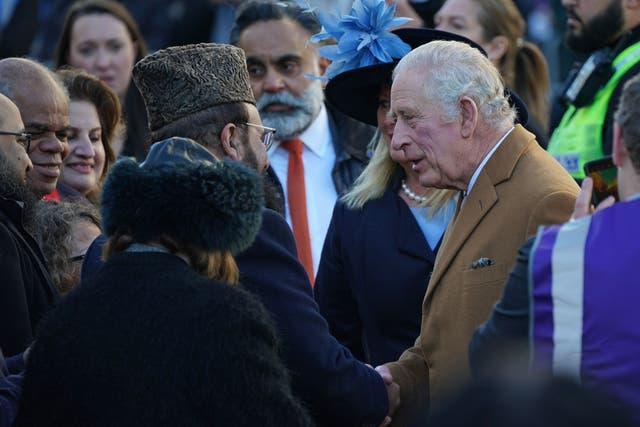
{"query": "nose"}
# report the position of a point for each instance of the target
(52, 144)
(29, 164)
(103, 59)
(273, 81)
(399, 140)
(83, 148)
(389, 122)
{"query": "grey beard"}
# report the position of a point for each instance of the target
(305, 108)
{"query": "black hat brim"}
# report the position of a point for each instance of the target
(355, 92)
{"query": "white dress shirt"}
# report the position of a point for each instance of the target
(484, 161)
(319, 157)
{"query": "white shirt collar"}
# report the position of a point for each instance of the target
(484, 161)
(316, 136)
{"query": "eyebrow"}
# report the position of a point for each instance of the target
(39, 128)
(283, 58)
(44, 127)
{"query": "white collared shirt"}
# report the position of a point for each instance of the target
(319, 157)
(484, 161)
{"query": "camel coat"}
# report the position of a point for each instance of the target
(520, 188)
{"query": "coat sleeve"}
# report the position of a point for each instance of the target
(508, 325)
(555, 208)
(15, 324)
(337, 388)
(332, 289)
(412, 375)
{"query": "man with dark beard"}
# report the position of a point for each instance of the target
(608, 30)
(319, 152)
(26, 290)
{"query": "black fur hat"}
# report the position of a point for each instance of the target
(183, 191)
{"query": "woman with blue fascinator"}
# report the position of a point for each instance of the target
(384, 234)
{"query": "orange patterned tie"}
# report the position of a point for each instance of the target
(297, 198)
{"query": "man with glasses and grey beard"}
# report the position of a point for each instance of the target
(319, 152)
(26, 290)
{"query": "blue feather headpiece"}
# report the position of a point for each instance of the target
(363, 36)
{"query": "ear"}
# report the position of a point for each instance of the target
(323, 63)
(469, 112)
(227, 140)
(619, 151)
(497, 48)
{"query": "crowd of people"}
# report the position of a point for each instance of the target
(366, 218)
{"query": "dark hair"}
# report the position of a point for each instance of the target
(205, 126)
(83, 86)
(90, 7)
(256, 11)
(523, 66)
(218, 265)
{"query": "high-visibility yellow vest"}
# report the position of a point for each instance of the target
(578, 137)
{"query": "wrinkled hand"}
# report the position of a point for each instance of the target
(583, 206)
(393, 392)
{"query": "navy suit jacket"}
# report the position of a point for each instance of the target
(337, 389)
(372, 277)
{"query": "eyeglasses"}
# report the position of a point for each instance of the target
(267, 136)
(22, 138)
(77, 258)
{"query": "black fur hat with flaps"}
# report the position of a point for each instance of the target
(182, 191)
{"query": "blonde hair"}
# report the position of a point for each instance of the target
(217, 265)
(375, 178)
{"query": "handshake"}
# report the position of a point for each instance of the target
(393, 392)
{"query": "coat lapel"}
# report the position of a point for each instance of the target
(475, 207)
(480, 200)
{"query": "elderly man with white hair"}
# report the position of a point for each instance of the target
(455, 125)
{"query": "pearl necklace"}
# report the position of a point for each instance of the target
(410, 194)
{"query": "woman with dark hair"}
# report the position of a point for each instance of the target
(95, 118)
(499, 28)
(102, 38)
(159, 336)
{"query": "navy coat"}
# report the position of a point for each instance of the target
(26, 290)
(335, 387)
(373, 276)
(338, 390)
